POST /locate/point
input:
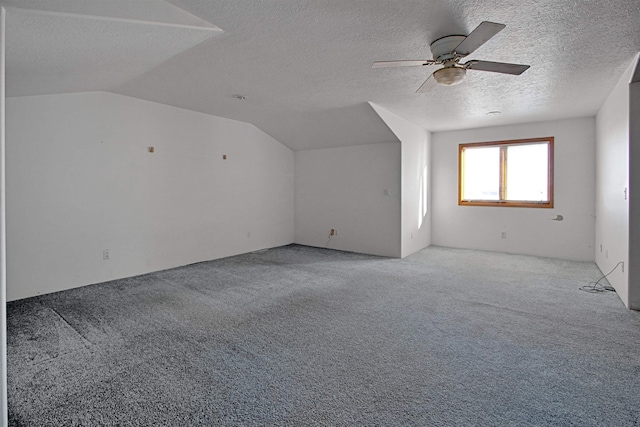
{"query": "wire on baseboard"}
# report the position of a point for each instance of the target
(327, 245)
(597, 287)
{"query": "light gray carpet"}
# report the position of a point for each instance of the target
(304, 336)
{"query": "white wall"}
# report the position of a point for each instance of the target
(634, 186)
(612, 177)
(344, 188)
(80, 180)
(415, 182)
(4, 420)
(530, 231)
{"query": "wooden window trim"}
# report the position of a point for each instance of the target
(503, 175)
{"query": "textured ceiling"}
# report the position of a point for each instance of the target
(67, 49)
(305, 66)
(150, 11)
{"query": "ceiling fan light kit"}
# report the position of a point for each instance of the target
(449, 50)
(449, 76)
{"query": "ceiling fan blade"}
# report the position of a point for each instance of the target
(497, 67)
(411, 63)
(478, 37)
(427, 85)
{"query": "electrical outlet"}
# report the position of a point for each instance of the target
(503, 235)
(105, 254)
(332, 232)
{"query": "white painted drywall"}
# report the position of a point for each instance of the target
(416, 212)
(344, 189)
(4, 419)
(612, 177)
(530, 231)
(80, 179)
(634, 186)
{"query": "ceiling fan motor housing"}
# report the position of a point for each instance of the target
(443, 49)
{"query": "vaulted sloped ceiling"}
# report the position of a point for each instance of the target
(305, 66)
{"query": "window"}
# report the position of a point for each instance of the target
(506, 173)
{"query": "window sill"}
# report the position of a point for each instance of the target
(538, 205)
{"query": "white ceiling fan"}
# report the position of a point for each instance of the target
(449, 50)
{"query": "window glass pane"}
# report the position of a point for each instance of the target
(527, 172)
(481, 173)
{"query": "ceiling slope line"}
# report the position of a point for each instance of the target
(635, 77)
(116, 89)
(387, 117)
(211, 28)
(193, 15)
